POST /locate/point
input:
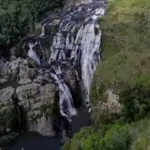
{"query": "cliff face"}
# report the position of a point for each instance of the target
(34, 91)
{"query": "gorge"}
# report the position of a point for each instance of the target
(77, 44)
(61, 62)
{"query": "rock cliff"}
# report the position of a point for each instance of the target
(34, 90)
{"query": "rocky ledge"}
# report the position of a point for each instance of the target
(35, 92)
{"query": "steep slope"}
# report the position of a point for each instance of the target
(126, 61)
(126, 32)
(121, 86)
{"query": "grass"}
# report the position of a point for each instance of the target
(125, 44)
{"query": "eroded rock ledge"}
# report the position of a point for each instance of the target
(36, 94)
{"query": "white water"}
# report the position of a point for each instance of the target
(67, 109)
(32, 54)
(86, 43)
(43, 31)
(79, 34)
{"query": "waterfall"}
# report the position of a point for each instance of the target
(67, 109)
(77, 40)
(32, 54)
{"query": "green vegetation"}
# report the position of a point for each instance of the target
(136, 102)
(126, 42)
(125, 70)
(113, 137)
(126, 63)
(18, 17)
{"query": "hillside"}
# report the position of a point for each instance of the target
(124, 76)
(126, 32)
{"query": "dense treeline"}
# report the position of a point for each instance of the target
(18, 17)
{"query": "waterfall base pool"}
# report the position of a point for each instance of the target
(33, 141)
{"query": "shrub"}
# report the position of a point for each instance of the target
(136, 101)
(18, 17)
(116, 138)
(113, 137)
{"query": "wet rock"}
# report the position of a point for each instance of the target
(74, 85)
(70, 75)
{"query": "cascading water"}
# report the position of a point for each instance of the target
(78, 41)
(32, 54)
(67, 109)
